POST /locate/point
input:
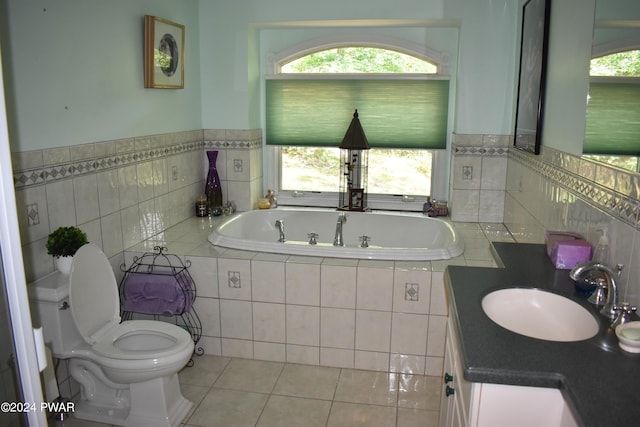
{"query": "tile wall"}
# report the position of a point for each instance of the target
(348, 313)
(492, 183)
(122, 192)
(559, 191)
(478, 177)
(341, 313)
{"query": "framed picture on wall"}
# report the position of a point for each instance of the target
(531, 83)
(163, 53)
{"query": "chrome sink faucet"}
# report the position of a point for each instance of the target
(337, 240)
(611, 306)
(280, 227)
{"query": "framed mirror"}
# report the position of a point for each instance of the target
(531, 80)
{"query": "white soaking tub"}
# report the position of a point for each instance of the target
(392, 236)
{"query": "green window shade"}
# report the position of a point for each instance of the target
(613, 119)
(393, 113)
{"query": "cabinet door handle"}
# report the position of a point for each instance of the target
(448, 391)
(447, 378)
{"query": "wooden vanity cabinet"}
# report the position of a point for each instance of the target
(467, 404)
(456, 392)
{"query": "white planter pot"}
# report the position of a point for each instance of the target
(63, 264)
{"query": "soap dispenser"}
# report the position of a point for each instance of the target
(601, 253)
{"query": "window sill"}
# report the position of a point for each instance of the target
(330, 200)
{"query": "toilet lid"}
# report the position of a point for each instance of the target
(93, 293)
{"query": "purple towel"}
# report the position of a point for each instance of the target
(158, 293)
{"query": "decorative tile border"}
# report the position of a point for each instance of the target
(621, 206)
(235, 139)
(136, 150)
(464, 150)
(51, 173)
(233, 145)
(484, 145)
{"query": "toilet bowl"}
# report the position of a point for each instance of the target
(127, 371)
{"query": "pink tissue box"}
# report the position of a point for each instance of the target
(551, 238)
(565, 254)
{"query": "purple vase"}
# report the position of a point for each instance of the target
(213, 189)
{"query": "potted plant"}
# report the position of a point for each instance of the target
(63, 244)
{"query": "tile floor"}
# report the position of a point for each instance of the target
(239, 392)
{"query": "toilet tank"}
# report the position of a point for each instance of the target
(49, 301)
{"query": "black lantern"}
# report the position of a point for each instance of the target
(354, 151)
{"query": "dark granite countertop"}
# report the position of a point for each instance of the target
(599, 381)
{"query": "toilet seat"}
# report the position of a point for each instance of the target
(93, 293)
(170, 339)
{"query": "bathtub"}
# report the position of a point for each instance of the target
(393, 236)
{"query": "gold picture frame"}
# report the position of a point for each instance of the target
(163, 53)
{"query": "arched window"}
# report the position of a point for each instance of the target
(359, 60)
(402, 101)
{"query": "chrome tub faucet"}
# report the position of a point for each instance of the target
(313, 238)
(338, 240)
(280, 227)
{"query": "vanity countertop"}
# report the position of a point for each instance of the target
(599, 381)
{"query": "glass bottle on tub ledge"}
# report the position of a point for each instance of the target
(213, 189)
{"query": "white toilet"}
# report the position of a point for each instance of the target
(128, 372)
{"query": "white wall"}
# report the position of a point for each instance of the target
(487, 65)
(75, 72)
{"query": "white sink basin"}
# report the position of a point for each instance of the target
(540, 314)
